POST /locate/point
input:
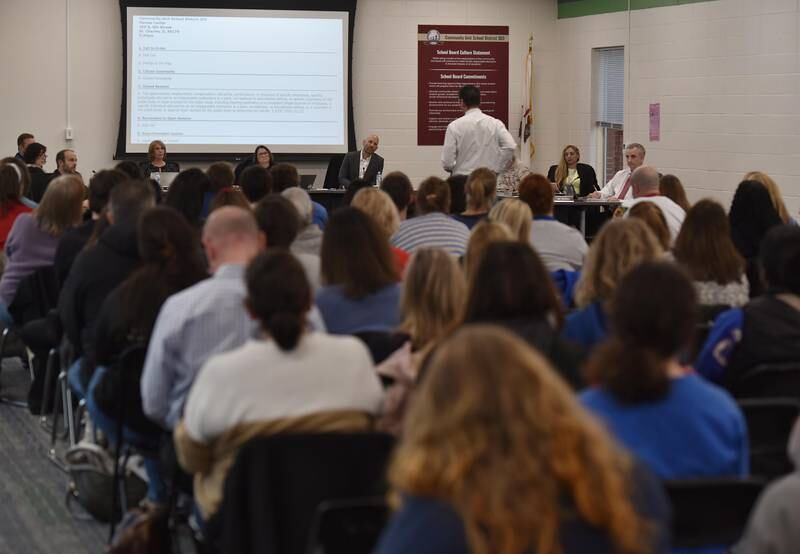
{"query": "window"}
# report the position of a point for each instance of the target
(608, 90)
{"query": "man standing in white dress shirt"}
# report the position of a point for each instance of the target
(620, 187)
(475, 139)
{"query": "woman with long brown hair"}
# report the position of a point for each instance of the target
(498, 457)
(569, 172)
(704, 247)
(671, 187)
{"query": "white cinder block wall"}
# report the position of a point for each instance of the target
(727, 75)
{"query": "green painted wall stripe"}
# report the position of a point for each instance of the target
(579, 8)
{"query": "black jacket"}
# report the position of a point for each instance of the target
(585, 173)
(69, 246)
(39, 182)
(349, 170)
(96, 272)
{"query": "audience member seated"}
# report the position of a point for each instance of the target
(751, 216)
(131, 169)
(621, 245)
(569, 171)
(509, 179)
(559, 246)
(774, 194)
(24, 177)
(11, 204)
(434, 290)
(279, 221)
(157, 160)
(432, 228)
(379, 206)
(170, 263)
(309, 235)
(512, 288)
(97, 271)
(75, 239)
(34, 236)
(644, 181)
(230, 196)
(497, 456)
(286, 381)
(671, 419)
(704, 247)
(767, 329)
(23, 140)
(285, 176)
(255, 182)
(203, 320)
(220, 177)
(774, 526)
(35, 158)
(517, 215)
(480, 188)
(397, 185)
(187, 194)
(360, 281)
(458, 193)
(671, 187)
(485, 233)
(654, 218)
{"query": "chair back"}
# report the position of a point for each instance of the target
(37, 294)
(711, 512)
(348, 526)
(277, 483)
(769, 424)
(769, 381)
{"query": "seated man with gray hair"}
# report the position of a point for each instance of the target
(309, 239)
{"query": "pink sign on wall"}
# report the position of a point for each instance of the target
(655, 122)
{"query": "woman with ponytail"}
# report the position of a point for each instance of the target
(288, 380)
(669, 417)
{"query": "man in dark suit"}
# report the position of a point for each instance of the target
(362, 164)
(22, 143)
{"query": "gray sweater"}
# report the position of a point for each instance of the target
(27, 249)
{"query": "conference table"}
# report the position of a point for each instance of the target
(564, 206)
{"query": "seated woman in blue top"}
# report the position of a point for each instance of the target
(767, 329)
(670, 418)
(621, 245)
(361, 289)
(497, 456)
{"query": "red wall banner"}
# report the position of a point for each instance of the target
(451, 56)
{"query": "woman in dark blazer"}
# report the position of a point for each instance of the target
(569, 171)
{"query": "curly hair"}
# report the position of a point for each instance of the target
(505, 446)
(621, 245)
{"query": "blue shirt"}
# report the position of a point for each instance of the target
(587, 326)
(319, 215)
(696, 430)
(379, 311)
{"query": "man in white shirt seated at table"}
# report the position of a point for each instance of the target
(644, 183)
(475, 139)
(619, 187)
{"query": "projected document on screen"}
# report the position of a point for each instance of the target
(224, 80)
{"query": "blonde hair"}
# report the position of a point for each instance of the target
(774, 192)
(379, 206)
(62, 205)
(481, 187)
(483, 234)
(516, 214)
(504, 447)
(562, 170)
(151, 149)
(621, 245)
(433, 296)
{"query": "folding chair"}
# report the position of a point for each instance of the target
(769, 424)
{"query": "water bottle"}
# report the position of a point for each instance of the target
(378, 179)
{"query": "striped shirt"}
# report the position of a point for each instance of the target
(433, 230)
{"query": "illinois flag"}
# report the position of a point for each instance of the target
(526, 146)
